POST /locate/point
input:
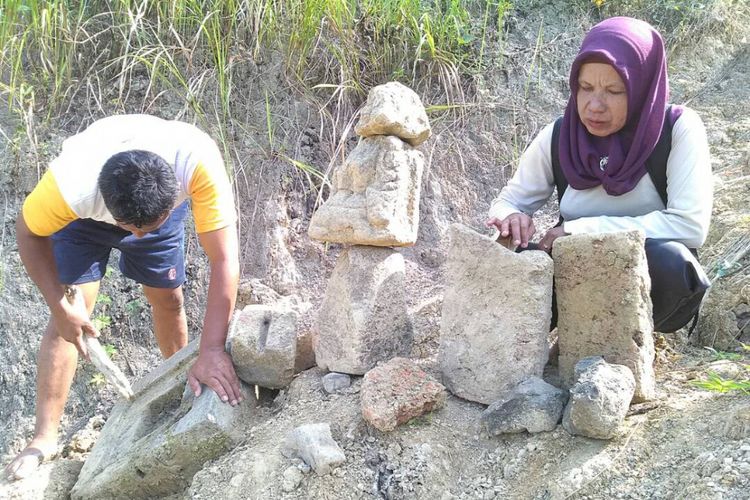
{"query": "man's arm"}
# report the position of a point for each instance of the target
(36, 255)
(214, 366)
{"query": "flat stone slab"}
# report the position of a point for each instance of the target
(604, 306)
(599, 399)
(151, 447)
(394, 109)
(334, 382)
(374, 197)
(397, 391)
(497, 308)
(262, 341)
(363, 318)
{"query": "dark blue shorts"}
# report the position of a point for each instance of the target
(157, 260)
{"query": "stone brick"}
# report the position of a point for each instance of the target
(604, 307)
(398, 391)
(263, 345)
(363, 318)
(375, 196)
(496, 315)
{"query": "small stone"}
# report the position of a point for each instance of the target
(397, 391)
(599, 400)
(314, 444)
(334, 382)
(292, 479)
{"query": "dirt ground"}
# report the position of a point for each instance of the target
(689, 443)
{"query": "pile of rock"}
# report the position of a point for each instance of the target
(495, 324)
(374, 206)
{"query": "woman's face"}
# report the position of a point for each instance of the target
(602, 99)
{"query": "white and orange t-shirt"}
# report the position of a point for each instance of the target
(69, 189)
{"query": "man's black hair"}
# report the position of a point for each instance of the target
(138, 187)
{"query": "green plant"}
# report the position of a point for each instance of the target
(133, 307)
(717, 383)
(723, 355)
(97, 380)
(101, 322)
(110, 349)
(104, 299)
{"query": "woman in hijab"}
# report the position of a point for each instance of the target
(607, 153)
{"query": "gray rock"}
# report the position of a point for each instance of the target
(394, 109)
(151, 447)
(292, 479)
(604, 307)
(375, 196)
(737, 425)
(263, 344)
(333, 382)
(363, 318)
(533, 406)
(599, 400)
(314, 444)
(496, 314)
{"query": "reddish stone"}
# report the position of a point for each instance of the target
(398, 391)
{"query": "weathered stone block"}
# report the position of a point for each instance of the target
(604, 307)
(253, 291)
(151, 447)
(394, 109)
(496, 315)
(398, 391)
(263, 344)
(363, 318)
(375, 196)
(599, 400)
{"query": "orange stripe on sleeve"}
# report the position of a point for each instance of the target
(212, 199)
(45, 211)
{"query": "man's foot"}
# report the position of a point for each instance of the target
(29, 460)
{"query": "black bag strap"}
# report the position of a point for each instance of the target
(560, 181)
(656, 163)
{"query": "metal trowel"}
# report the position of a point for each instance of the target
(96, 352)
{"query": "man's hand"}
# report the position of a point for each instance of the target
(549, 238)
(215, 369)
(518, 225)
(71, 323)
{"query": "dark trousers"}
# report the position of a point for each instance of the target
(678, 284)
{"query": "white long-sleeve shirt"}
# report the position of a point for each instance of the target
(689, 191)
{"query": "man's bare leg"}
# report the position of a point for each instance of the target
(56, 366)
(170, 322)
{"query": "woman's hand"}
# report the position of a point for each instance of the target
(549, 238)
(519, 226)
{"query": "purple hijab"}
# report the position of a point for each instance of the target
(636, 51)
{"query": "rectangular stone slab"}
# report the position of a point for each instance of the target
(604, 305)
(496, 315)
(151, 447)
(363, 318)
